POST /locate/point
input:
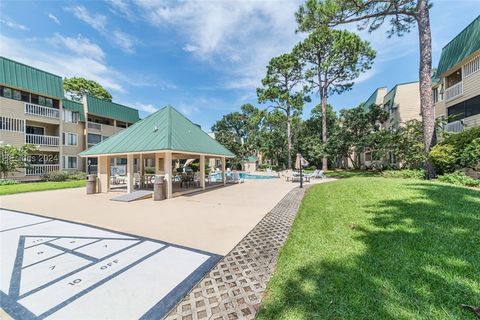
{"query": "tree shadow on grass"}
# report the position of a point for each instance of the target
(421, 261)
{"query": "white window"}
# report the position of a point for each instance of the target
(471, 67)
(70, 116)
(69, 139)
(69, 162)
(12, 124)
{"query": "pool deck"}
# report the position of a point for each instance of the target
(214, 221)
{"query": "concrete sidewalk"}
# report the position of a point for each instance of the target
(214, 221)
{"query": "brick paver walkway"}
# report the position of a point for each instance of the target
(234, 287)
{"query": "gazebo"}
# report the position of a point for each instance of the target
(160, 142)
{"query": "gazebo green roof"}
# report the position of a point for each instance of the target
(165, 130)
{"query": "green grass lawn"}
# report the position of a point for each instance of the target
(351, 173)
(377, 248)
(40, 186)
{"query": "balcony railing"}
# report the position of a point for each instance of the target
(454, 91)
(94, 126)
(41, 140)
(455, 126)
(41, 111)
(39, 169)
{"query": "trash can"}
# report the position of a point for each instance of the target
(158, 188)
(91, 184)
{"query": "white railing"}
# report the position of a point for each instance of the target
(42, 111)
(95, 126)
(39, 169)
(42, 140)
(455, 126)
(454, 91)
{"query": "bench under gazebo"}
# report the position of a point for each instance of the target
(165, 143)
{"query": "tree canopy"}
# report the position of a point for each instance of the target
(282, 86)
(333, 59)
(77, 87)
(371, 14)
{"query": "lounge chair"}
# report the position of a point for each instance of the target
(234, 177)
(317, 174)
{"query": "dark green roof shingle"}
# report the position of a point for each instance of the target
(21, 76)
(166, 129)
(462, 46)
(74, 106)
(112, 110)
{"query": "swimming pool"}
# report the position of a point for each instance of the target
(255, 176)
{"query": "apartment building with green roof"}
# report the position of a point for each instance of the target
(456, 90)
(34, 110)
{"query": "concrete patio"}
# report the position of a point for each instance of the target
(214, 221)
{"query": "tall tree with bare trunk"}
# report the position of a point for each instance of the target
(371, 14)
(333, 60)
(282, 86)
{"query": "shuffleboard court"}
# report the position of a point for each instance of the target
(55, 269)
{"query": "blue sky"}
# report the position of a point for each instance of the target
(203, 57)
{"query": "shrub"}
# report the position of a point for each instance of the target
(470, 156)
(444, 157)
(149, 170)
(404, 174)
(63, 176)
(459, 178)
(462, 139)
(55, 176)
(77, 175)
(6, 182)
(262, 167)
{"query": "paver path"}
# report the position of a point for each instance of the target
(234, 287)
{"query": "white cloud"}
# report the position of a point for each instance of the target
(100, 23)
(187, 109)
(94, 20)
(124, 41)
(122, 8)
(148, 108)
(54, 18)
(12, 24)
(79, 45)
(65, 64)
(237, 36)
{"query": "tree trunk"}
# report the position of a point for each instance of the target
(426, 100)
(323, 95)
(289, 141)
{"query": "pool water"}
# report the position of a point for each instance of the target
(254, 176)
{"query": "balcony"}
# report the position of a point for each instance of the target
(454, 91)
(94, 126)
(455, 126)
(42, 140)
(39, 169)
(42, 111)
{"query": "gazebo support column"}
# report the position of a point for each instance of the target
(157, 164)
(103, 174)
(224, 164)
(129, 173)
(202, 172)
(167, 168)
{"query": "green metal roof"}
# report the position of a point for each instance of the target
(462, 46)
(74, 106)
(112, 110)
(21, 76)
(166, 129)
